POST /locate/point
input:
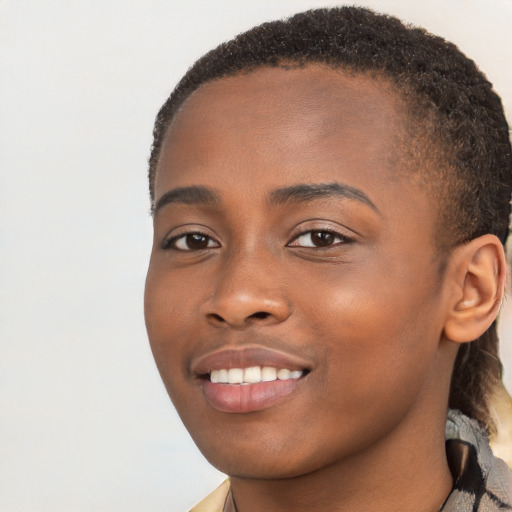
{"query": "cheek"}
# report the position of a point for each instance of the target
(380, 340)
(164, 306)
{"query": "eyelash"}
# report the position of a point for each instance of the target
(342, 239)
(171, 243)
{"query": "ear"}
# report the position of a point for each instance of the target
(477, 280)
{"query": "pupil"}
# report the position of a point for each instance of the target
(197, 241)
(322, 238)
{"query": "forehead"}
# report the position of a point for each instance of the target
(275, 126)
(323, 93)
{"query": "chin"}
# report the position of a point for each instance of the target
(261, 469)
(265, 459)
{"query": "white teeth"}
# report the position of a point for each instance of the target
(253, 375)
(268, 374)
(235, 376)
(283, 374)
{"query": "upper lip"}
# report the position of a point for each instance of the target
(247, 356)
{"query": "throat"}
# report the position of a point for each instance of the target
(407, 487)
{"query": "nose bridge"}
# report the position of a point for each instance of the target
(248, 289)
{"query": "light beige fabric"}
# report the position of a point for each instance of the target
(215, 501)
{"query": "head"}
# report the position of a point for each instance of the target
(457, 126)
(451, 143)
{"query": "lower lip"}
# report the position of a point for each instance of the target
(236, 398)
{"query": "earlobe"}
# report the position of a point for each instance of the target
(477, 277)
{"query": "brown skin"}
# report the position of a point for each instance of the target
(365, 428)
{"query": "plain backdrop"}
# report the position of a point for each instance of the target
(85, 423)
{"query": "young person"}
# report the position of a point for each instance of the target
(331, 199)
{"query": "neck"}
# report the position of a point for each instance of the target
(391, 475)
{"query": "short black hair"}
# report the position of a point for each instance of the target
(449, 100)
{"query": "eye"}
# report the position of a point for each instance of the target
(191, 242)
(319, 238)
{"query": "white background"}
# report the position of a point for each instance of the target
(85, 423)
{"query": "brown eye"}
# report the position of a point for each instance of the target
(322, 238)
(192, 242)
(319, 239)
(196, 241)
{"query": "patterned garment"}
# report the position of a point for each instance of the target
(482, 482)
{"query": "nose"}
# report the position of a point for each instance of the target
(246, 293)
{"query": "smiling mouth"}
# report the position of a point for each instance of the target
(250, 389)
(249, 378)
(252, 375)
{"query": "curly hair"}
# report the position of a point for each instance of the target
(450, 103)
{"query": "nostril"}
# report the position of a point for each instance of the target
(260, 315)
(216, 318)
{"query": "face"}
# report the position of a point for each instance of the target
(294, 302)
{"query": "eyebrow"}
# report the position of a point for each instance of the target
(187, 195)
(309, 192)
(293, 194)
